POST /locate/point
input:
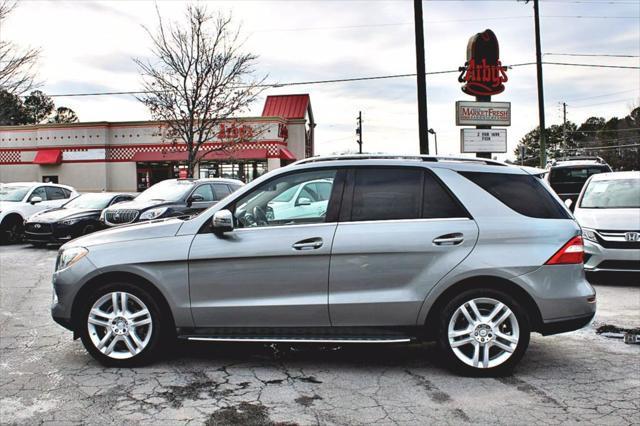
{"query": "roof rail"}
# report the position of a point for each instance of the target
(579, 158)
(428, 158)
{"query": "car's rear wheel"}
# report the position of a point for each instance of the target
(122, 325)
(483, 332)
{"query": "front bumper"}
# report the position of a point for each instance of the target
(601, 259)
(53, 233)
(66, 284)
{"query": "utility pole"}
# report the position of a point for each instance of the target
(423, 124)
(564, 126)
(543, 144)
(359, 132)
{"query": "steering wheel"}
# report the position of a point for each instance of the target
(260, 216)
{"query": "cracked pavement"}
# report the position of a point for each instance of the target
(48, 378)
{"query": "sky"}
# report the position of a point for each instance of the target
(88, 46)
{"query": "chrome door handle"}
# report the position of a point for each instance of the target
(308, 244)
(449, 239)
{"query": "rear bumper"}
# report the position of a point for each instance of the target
(601, 259)
(565, 325)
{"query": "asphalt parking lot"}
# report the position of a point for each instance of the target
(47, 378)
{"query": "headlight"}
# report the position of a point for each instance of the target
(70, 221)
(589, 234)
(153, 213)
(70, 256)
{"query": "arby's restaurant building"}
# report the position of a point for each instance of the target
(131, 156)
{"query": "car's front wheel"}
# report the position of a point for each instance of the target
(122, 325)
(483, 332)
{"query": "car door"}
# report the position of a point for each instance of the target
(400, 232)
(32, 207)
(266, 272)
(206, 192)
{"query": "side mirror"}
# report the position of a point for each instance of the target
(35, 200)
(195, 198)
(568, 203)
(303, 201)
(222, 221)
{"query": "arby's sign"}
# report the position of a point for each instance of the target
(483, 73)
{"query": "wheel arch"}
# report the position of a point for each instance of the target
(12, 215)
(117, 276)
(485, 281)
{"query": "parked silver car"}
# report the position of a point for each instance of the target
(472, 253)
(608, 210)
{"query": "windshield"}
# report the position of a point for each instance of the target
(13, 192)
(89, 201)
(167, 190)
(612, 194)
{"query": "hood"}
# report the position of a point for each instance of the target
(609, 219)
(55, 215)
(137, 231)
(139, 205)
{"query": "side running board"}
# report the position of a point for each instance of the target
(305, 339)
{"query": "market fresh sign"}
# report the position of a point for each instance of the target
(483, 113)
(483, 140)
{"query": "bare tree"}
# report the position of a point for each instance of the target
(17, 66)
(198, 78)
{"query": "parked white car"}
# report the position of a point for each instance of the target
(19, 200)
(304, 200)
(608, 210)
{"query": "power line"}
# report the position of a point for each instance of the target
(637, 90)
(343, 80)
(603, 103)
(594, 54)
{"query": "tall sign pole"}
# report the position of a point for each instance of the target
(483, 76)
(359, 132)
(423, 124)
(543, 144)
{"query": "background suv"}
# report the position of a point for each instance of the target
(609, 212)
(472, 253)
(567, 176)
(171, 197)
(19, 200)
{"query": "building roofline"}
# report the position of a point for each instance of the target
(121, 123)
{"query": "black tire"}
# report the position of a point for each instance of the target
(455, 363)
(160, 329)
(12, 230)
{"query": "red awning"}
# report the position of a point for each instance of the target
(48, 156)
(286, 106)
(285, 154)
(241, 154)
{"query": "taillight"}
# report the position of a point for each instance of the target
(570, 253)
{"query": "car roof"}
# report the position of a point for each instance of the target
(38, 183)
(616, 175)
(471, 164)
(214, 180)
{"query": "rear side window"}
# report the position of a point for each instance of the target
(437, 202)
(55, 193)
(386, 194)
(221, 190)
(523, 193)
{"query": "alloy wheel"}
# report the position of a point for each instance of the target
(483, 332)
(120, 325)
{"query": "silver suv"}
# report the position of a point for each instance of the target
(474, 254)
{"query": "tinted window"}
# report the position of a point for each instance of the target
(205, 192)
(272, 203)
(386, 194)
(38, 192)
(574, 174)
(437, 202)
(221, 190)
(55, 193)
(523, 193)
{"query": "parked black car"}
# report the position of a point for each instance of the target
(78, 217)
(171, 198)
